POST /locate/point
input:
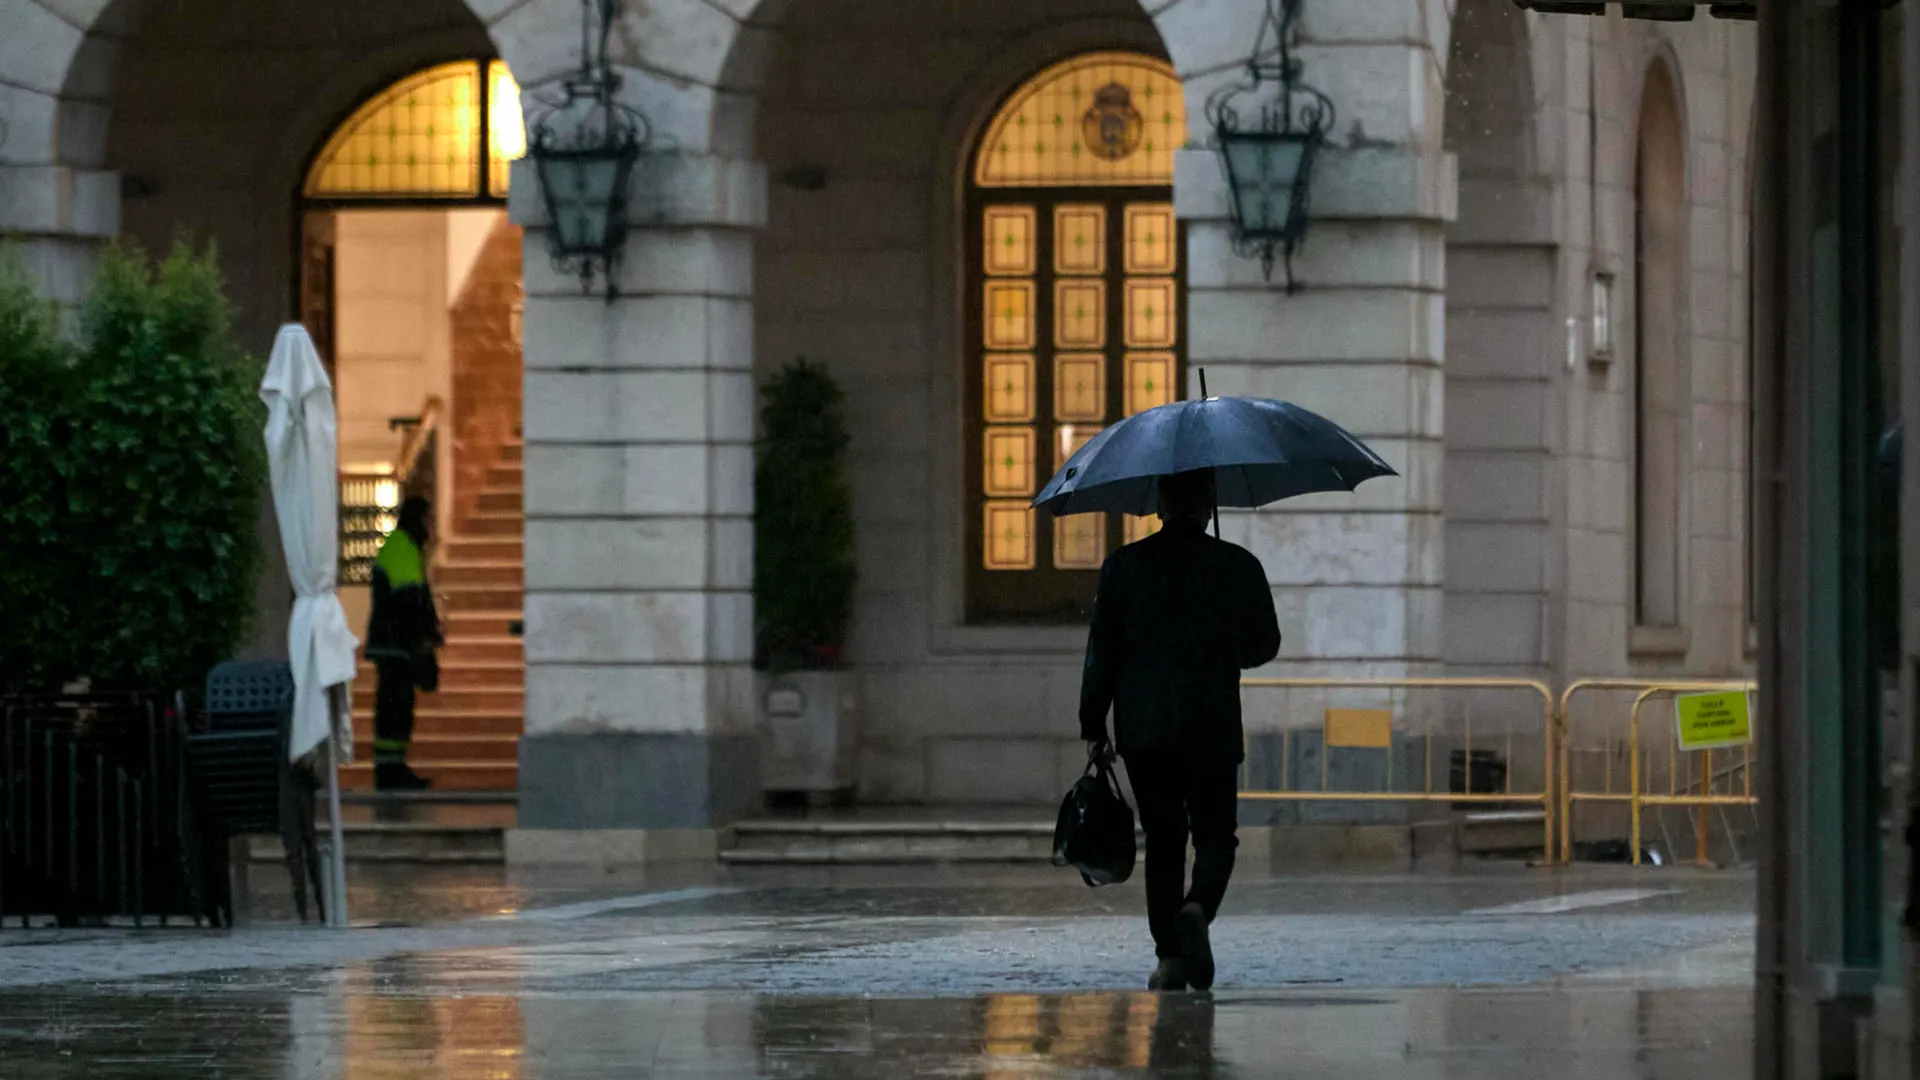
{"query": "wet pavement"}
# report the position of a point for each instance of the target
(991, 974)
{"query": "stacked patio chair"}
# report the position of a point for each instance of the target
(243, 783)
(93, 818)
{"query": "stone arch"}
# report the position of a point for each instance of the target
(1661, 383)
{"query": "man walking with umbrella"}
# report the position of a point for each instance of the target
(1178, 616)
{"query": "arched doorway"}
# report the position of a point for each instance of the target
(1075, 315)
(410, 282)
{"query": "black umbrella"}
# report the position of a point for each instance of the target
(1260, 451)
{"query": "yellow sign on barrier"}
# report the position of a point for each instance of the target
(1710, 721)
(1368, 729)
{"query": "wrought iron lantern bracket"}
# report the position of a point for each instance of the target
(584, 147)
(1268, 130)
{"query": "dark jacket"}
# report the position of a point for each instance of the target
(404, 623)
(1178, 617)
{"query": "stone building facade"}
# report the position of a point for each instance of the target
(1567, 505)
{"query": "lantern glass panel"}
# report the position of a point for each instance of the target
(580, 191)
(1263, 170)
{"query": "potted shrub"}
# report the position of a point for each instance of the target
(804, 572)
(131, 475)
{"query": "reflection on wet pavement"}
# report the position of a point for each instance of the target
(361, 1032)
(987, 975)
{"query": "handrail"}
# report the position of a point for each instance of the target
(420, 432)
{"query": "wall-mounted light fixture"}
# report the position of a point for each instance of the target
(584, 148)
(1267, 131)
(1601, 305)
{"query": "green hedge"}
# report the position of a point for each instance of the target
(803, 559)
(131, 471)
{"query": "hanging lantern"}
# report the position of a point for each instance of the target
(584, 149)
(1267, 132)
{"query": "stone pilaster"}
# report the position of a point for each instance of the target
(639, 538)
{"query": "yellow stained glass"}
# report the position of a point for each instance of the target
(1009, 536)
(506, 127)
(1139, 528)
(1080, 239)
(1080, 541)
(1080, 313)
(1150, 315)
(1080, 387)
(1009, 240)
(1008, 392)
(421, 138)
(1068, 439)
(1151, 237)
(1099, 118)
(1007, 457)
(1009, 315)
(1149, 381)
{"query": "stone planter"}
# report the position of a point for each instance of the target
(807, 731)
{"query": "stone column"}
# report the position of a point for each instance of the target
(639, 536)
(1357, 579)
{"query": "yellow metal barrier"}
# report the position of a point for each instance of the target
(1363, 727)
(1636, 797)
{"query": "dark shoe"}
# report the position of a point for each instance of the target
(1196, 952)
(1167, 976)
(398, 777)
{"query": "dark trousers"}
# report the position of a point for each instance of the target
(1177, 796)
(392, 711)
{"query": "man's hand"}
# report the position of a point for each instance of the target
(1100, 750)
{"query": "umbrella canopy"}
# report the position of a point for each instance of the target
(301, 460)
(1261, 451)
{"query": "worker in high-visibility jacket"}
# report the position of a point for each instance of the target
(402, 633)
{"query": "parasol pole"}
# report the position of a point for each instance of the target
(337, 853)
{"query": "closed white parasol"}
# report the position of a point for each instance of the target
(302, 462)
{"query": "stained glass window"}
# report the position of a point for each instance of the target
(1080, 239)
(1150, 318)
(1009, 389)
(1010, 237)
(1009, 536)
(1150, 378)
(1099, 119)
(1080, 387)
(449, 132)
(1074, 288)
(1150, 236)
(1009, 315)
(1080, 313)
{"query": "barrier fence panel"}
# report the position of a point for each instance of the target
(1394, 722)
(1630, 777)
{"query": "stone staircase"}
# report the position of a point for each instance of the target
(466, 737)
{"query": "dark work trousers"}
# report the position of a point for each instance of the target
(392, 711)
(1176, 796)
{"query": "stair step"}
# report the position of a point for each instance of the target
(453, 723)
(465, 575)
(461, 651)
(1489, 832)
(482, 598)
(492, 549)
(492, 625)
(459, 677)
(499, 500)
(512, 451)
(402, 842)
(492, 525)
(431, 745)
(494, 699)
(446, 776)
